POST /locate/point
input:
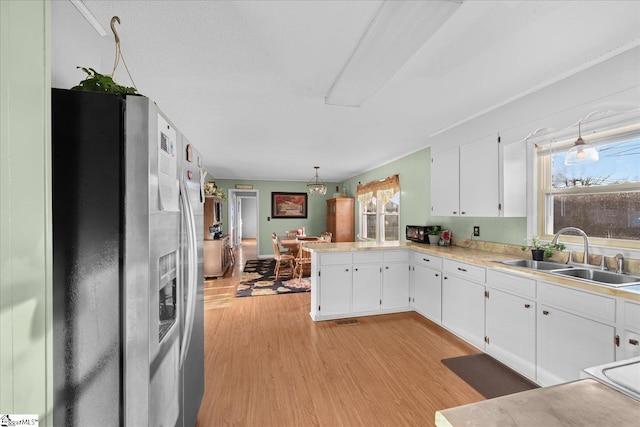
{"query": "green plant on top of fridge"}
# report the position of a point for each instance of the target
(96, 82)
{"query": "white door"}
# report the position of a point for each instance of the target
(426, 292)
(366, 287)
(463, 308)
(238, 220)
(445, 183)
(395, 286)
(335, 290)
(568, 343)
(511, 331)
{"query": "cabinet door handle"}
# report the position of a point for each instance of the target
(437, 275)
(633, 342)
(426, 259)
(445, 277)
(346, 269)
(462, 269)
(387, 267)
(462, 213)
(545, 312)
(355, 269)
(455, 213)
(527, 305)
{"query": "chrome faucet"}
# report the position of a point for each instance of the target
(585, 260)
(619, 259)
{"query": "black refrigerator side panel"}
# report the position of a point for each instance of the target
(87, 151)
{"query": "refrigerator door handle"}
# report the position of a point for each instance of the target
(192, 268)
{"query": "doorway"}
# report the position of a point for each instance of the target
(243, 216)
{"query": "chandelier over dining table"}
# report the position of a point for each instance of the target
(316, 186)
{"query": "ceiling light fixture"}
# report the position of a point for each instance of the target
(581, 152)
(84, 11)
(316, 186)
(394, 35)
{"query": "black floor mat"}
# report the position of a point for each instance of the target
(487, 376)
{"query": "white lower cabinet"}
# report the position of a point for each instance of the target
(360, 283)
(568, 343)
(426, 292)
(335, 290)
(511, 331)
(463, 308)
(395, 286)
(366, 288)
(395, 280)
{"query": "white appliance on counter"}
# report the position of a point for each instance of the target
(623, 375)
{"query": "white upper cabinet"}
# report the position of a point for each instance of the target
(479, 176)
(479, 179)
(513, 179)
(445, 183)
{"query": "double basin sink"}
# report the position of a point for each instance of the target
(593, 275)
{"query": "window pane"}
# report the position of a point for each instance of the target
(371, 226)
(612, 216)
(393, 205)
(371, 206)
(391, 227)
(618, 164)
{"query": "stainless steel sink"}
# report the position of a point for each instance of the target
(623, 375)
(608, 278)
(536, 265)
(593, 275)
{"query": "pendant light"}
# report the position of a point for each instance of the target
(316, 186)
(581, 152)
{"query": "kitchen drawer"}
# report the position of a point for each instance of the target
(631, 315)
(335, 259)
(512, 283)
(464, 270)
(367, 257)
(426, 260)
(597, 307)
(396, 256)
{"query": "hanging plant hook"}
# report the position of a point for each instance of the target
(118, 51)
(117, 38)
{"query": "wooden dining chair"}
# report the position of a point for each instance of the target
(282, 259)
(283, 250)
(302, 258)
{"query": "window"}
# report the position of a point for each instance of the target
(379, 203)
(603, 197)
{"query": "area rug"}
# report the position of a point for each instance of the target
(487, 376)
(258, 278)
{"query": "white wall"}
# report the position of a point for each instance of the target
(249, 217)
(74, 43)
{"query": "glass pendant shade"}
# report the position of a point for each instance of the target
(316, 186)
(581, 152)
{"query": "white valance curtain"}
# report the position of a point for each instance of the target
(383, 189)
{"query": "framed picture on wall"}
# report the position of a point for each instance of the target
(288, 205)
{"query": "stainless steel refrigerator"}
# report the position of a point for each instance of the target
(127, 264)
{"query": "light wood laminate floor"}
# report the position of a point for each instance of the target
(268, 364)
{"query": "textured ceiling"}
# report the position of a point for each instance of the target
(245, 81)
